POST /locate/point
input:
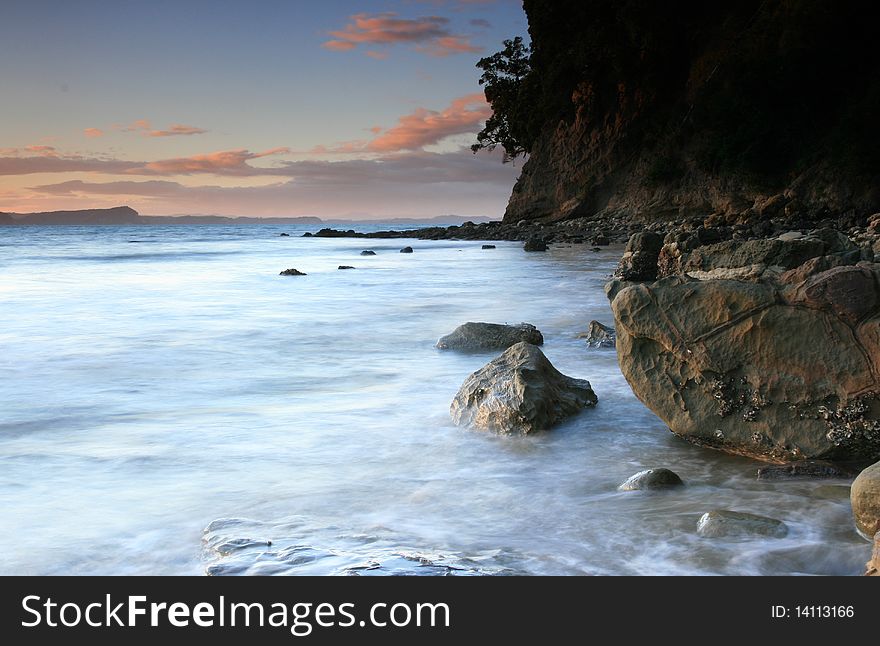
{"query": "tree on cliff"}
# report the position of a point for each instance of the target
(503, 79)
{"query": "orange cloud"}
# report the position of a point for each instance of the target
(425, 127)
(42, 151)
(93, 132)
(176, 130)
(431, 33)
(227, 162)
(135, 126)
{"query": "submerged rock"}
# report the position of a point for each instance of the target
(519, 392)
(751, 365)
(599, 336)
(368, 252)
(284, 235)
(475, 337)
(736, 524)
(651, 479)
(345, 267)
(865, 499)
(292, 272)
(488, 246)
(406, 250)
(804, 469)
(535, 244)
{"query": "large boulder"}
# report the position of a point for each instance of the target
(519, 392)
(639, 260)
(753, 365)
(865, 499)
(478, 337)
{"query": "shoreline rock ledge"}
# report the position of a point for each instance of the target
(519, 392)
(768, 348)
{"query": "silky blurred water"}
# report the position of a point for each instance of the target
(158, 381)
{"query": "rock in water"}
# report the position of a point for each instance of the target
(805, 469)
(476, 337)
(752, 365)
(865, 499)
(651, 479)
(519, 392)
(599, 336)
(535, 244)
(488, 246)
(368, 252)
(735, 524)
(284, 235)
(406, 250)
(345, 267)
(292, 272)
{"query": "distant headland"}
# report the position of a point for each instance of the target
(122, 215)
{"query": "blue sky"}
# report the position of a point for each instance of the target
(332, 108)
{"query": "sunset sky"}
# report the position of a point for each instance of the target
(332, 108)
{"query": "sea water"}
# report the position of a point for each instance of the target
(169, 404)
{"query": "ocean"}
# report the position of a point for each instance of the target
(169, 404)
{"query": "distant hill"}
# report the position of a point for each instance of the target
(127, 215)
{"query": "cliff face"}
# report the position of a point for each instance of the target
(657, 110)
(115, 215)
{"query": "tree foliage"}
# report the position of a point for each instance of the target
(503, 79)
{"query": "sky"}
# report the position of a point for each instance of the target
(331, 108)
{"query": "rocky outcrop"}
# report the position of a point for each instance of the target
(865, 499)
(406, 250)
(368, 252)
(292, 272)
(651, 479)
(519, 392)
(736, 524)
(658, 110)
(759, 350)
(480, 337)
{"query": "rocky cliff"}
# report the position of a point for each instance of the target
(661, 110)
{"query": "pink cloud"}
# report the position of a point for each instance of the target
(135, 126)
(227, 162)
(42, 151)
(430, 33)
(176, 130)
(425, 127)
(93, 132)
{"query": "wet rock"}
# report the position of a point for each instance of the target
(292, 272)
(874, 563)
(775, 371)
(345, 267)
(651, 479)
(813, 469)
(535, 244)
(865, 499)
(600, 240)
(488, 246)
(519, 392)
(639, 261)
(475, 337)
(735, 524)
(368, 252)
(406, 250)
(306, 235)
(599, 336)
(284, 235)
